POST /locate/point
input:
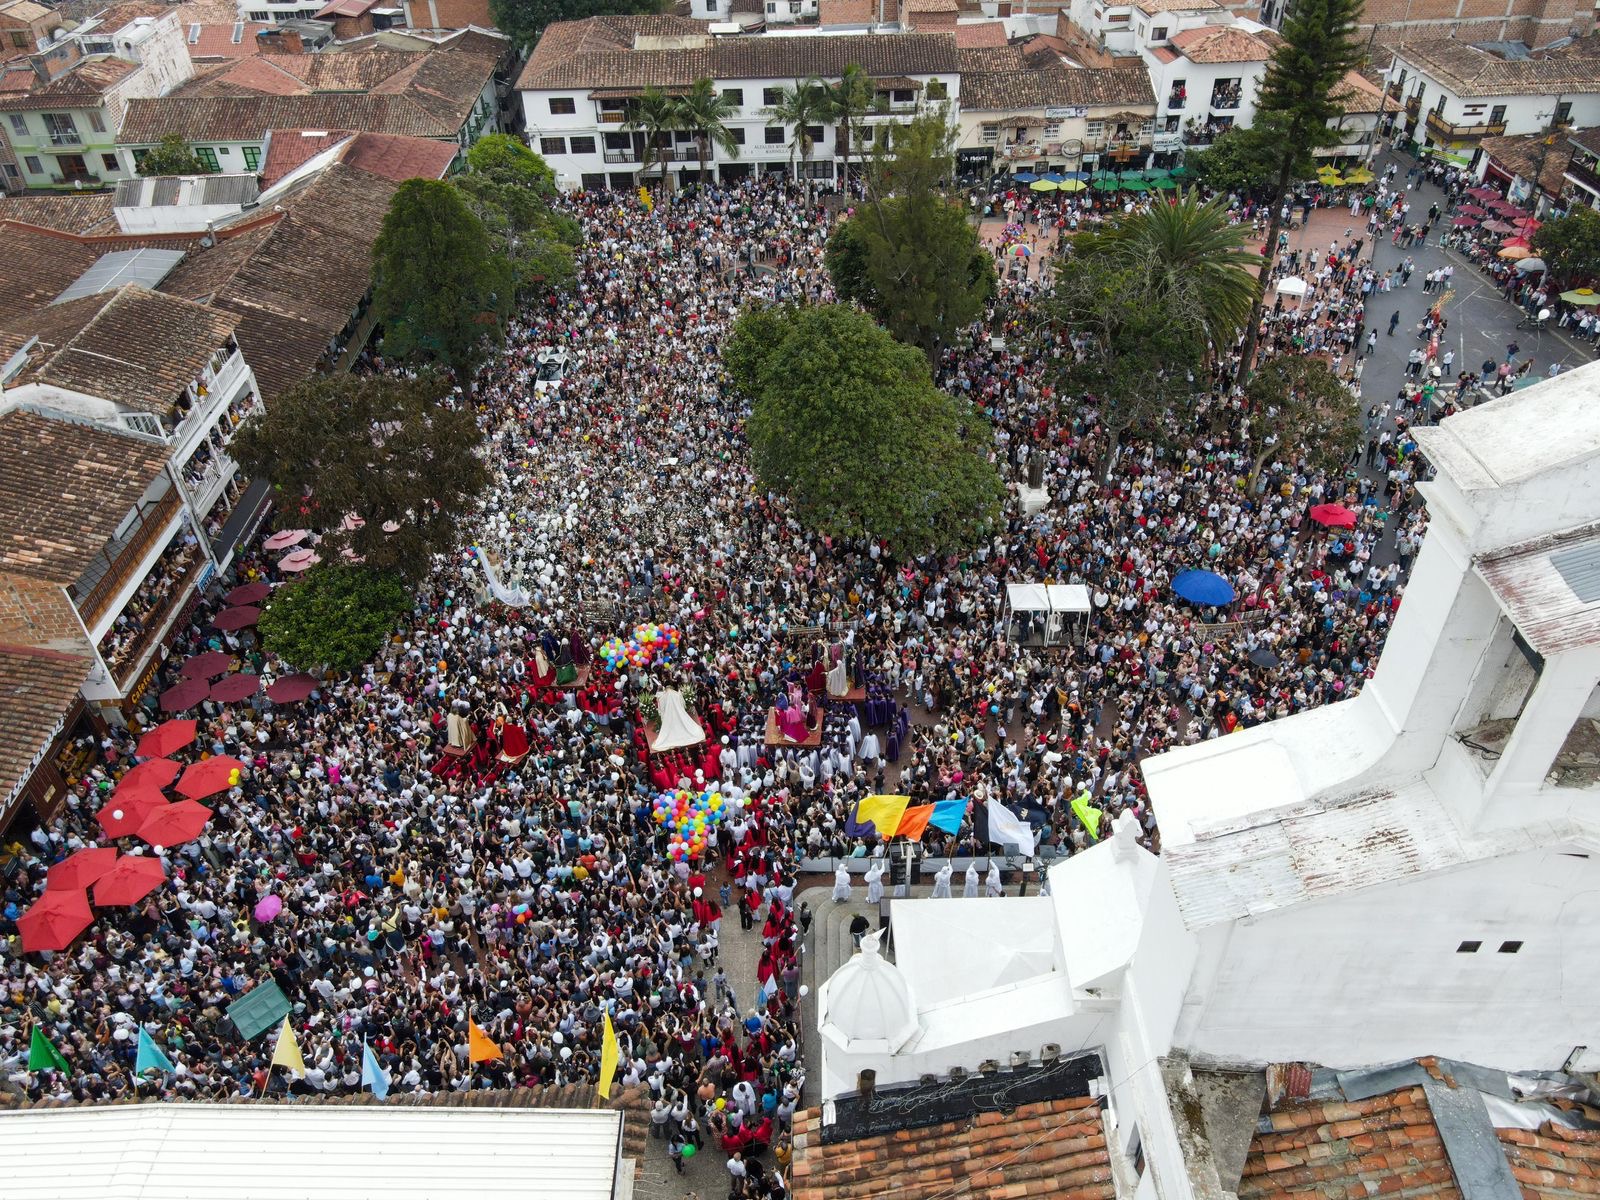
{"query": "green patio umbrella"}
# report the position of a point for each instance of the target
(1104, 183)
(1135, 185)
(1155, 173)
(1166, 185)
(1180, 171)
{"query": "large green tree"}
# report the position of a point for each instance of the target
(337, 618)
(1300, 411)
(439, 287)
(1570, 246)
(655, 115)
(1318, 49)
(1239, 160)
(851, 98)
(508, 187)
(847, 423)
(386, 451)
(171, 157)
(1140, 349)
(926, 273)
(1191, 250)
(523, 21)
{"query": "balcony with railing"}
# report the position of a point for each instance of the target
(1413, 106)
(126, 644)
(1584, 173)
(121, 561)
(1441, 128)
(1224, 99)
(623, 156)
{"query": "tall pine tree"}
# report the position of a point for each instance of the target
(1296, 102)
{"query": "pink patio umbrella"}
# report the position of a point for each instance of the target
(209, 777)
(236, 618)
(55, 921)
(184, 695)
(249, 593)
(78, 871)
(1498, 227)
(300, 560)
(155, 774)
(1484, 193)
(231, 689)
(206, 666)
(1463, 223)
(291, 688)
(1472, 210)
(122, 815)
(130, 881)
(351, 522)
(285, 538)
(175, 824)
(391, 526)
(165, 738)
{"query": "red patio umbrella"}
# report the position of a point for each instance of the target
(232, 688)
(285, 538)
(165, 738)
(249, 593)
(206, 666)
(1483, 193)
(184, 695)
(81, 869)
(209, 777)
(130, 881)
(122, 815)
(1463, 223)
(175, 824)
(291, 688)
(1498, 227)
(1501, 204)
(1472, 210)
(1333, 515)
(237, 618)
(156, 773)
(55, 921)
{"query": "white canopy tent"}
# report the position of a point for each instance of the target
(676, 729)
(1047, 614)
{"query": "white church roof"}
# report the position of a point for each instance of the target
(869, 1000)
(951, 948)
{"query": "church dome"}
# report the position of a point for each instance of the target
(869, 1000)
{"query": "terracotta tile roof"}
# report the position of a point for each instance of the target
(75, 213)
(24, 10)
(1388, 1145)
(1357, 93)
(1156, 7)
(1521, 154)
(1010, 91)
(1221, 44)
(399, 158)
(972, 59)
(37, 615)
(1056, 1148)
(81, 85)
(599, 52)
(1556, 1163)
(216, 40)
(291, 148)
(1468, 71)
(242, 118)
(37, 687)
(137, 348)
(66, 488)
(977, 34)
(36, 267)
(294, 283)
(845, 12)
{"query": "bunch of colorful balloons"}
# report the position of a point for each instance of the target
(648, 643)
(691, 816)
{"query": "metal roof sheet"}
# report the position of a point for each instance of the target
(1550, 588)
(110, 271)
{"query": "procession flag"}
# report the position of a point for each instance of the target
(480, 1046)
(884, 812)
(948, 815)
(1006, 828)
(914, 822)
(1087, 813)
(373, 1075)
(287, 1052)
(43, 1056)
(610, 1051)
(151, 1057)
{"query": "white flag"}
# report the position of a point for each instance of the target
(1006, 828)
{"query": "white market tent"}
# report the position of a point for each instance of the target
(1046, 614)
(322, 1152)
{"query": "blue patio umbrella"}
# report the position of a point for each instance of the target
(1025, 177)
(1080, 176)
(1203, 587)
(1054, 177)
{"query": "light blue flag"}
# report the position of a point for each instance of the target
(948, 815)
(372, 1075)
(151, 1056)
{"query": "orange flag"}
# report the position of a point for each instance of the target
(480, 1046)
(914, 823)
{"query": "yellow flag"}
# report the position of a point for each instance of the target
(884, 812)
(609, 1053)
(287, 1052)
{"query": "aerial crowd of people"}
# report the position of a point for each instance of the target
(424, 889)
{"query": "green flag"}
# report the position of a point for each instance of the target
(42, 1056)
(1088, 814)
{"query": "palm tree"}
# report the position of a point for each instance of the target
(1189, 250)
(852, 99)
(707, 112)
(654, 115)
(805, 104)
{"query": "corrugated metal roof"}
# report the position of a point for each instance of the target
(110, 271)
(1550, 588)
(1580, 567)
(268, 1152)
